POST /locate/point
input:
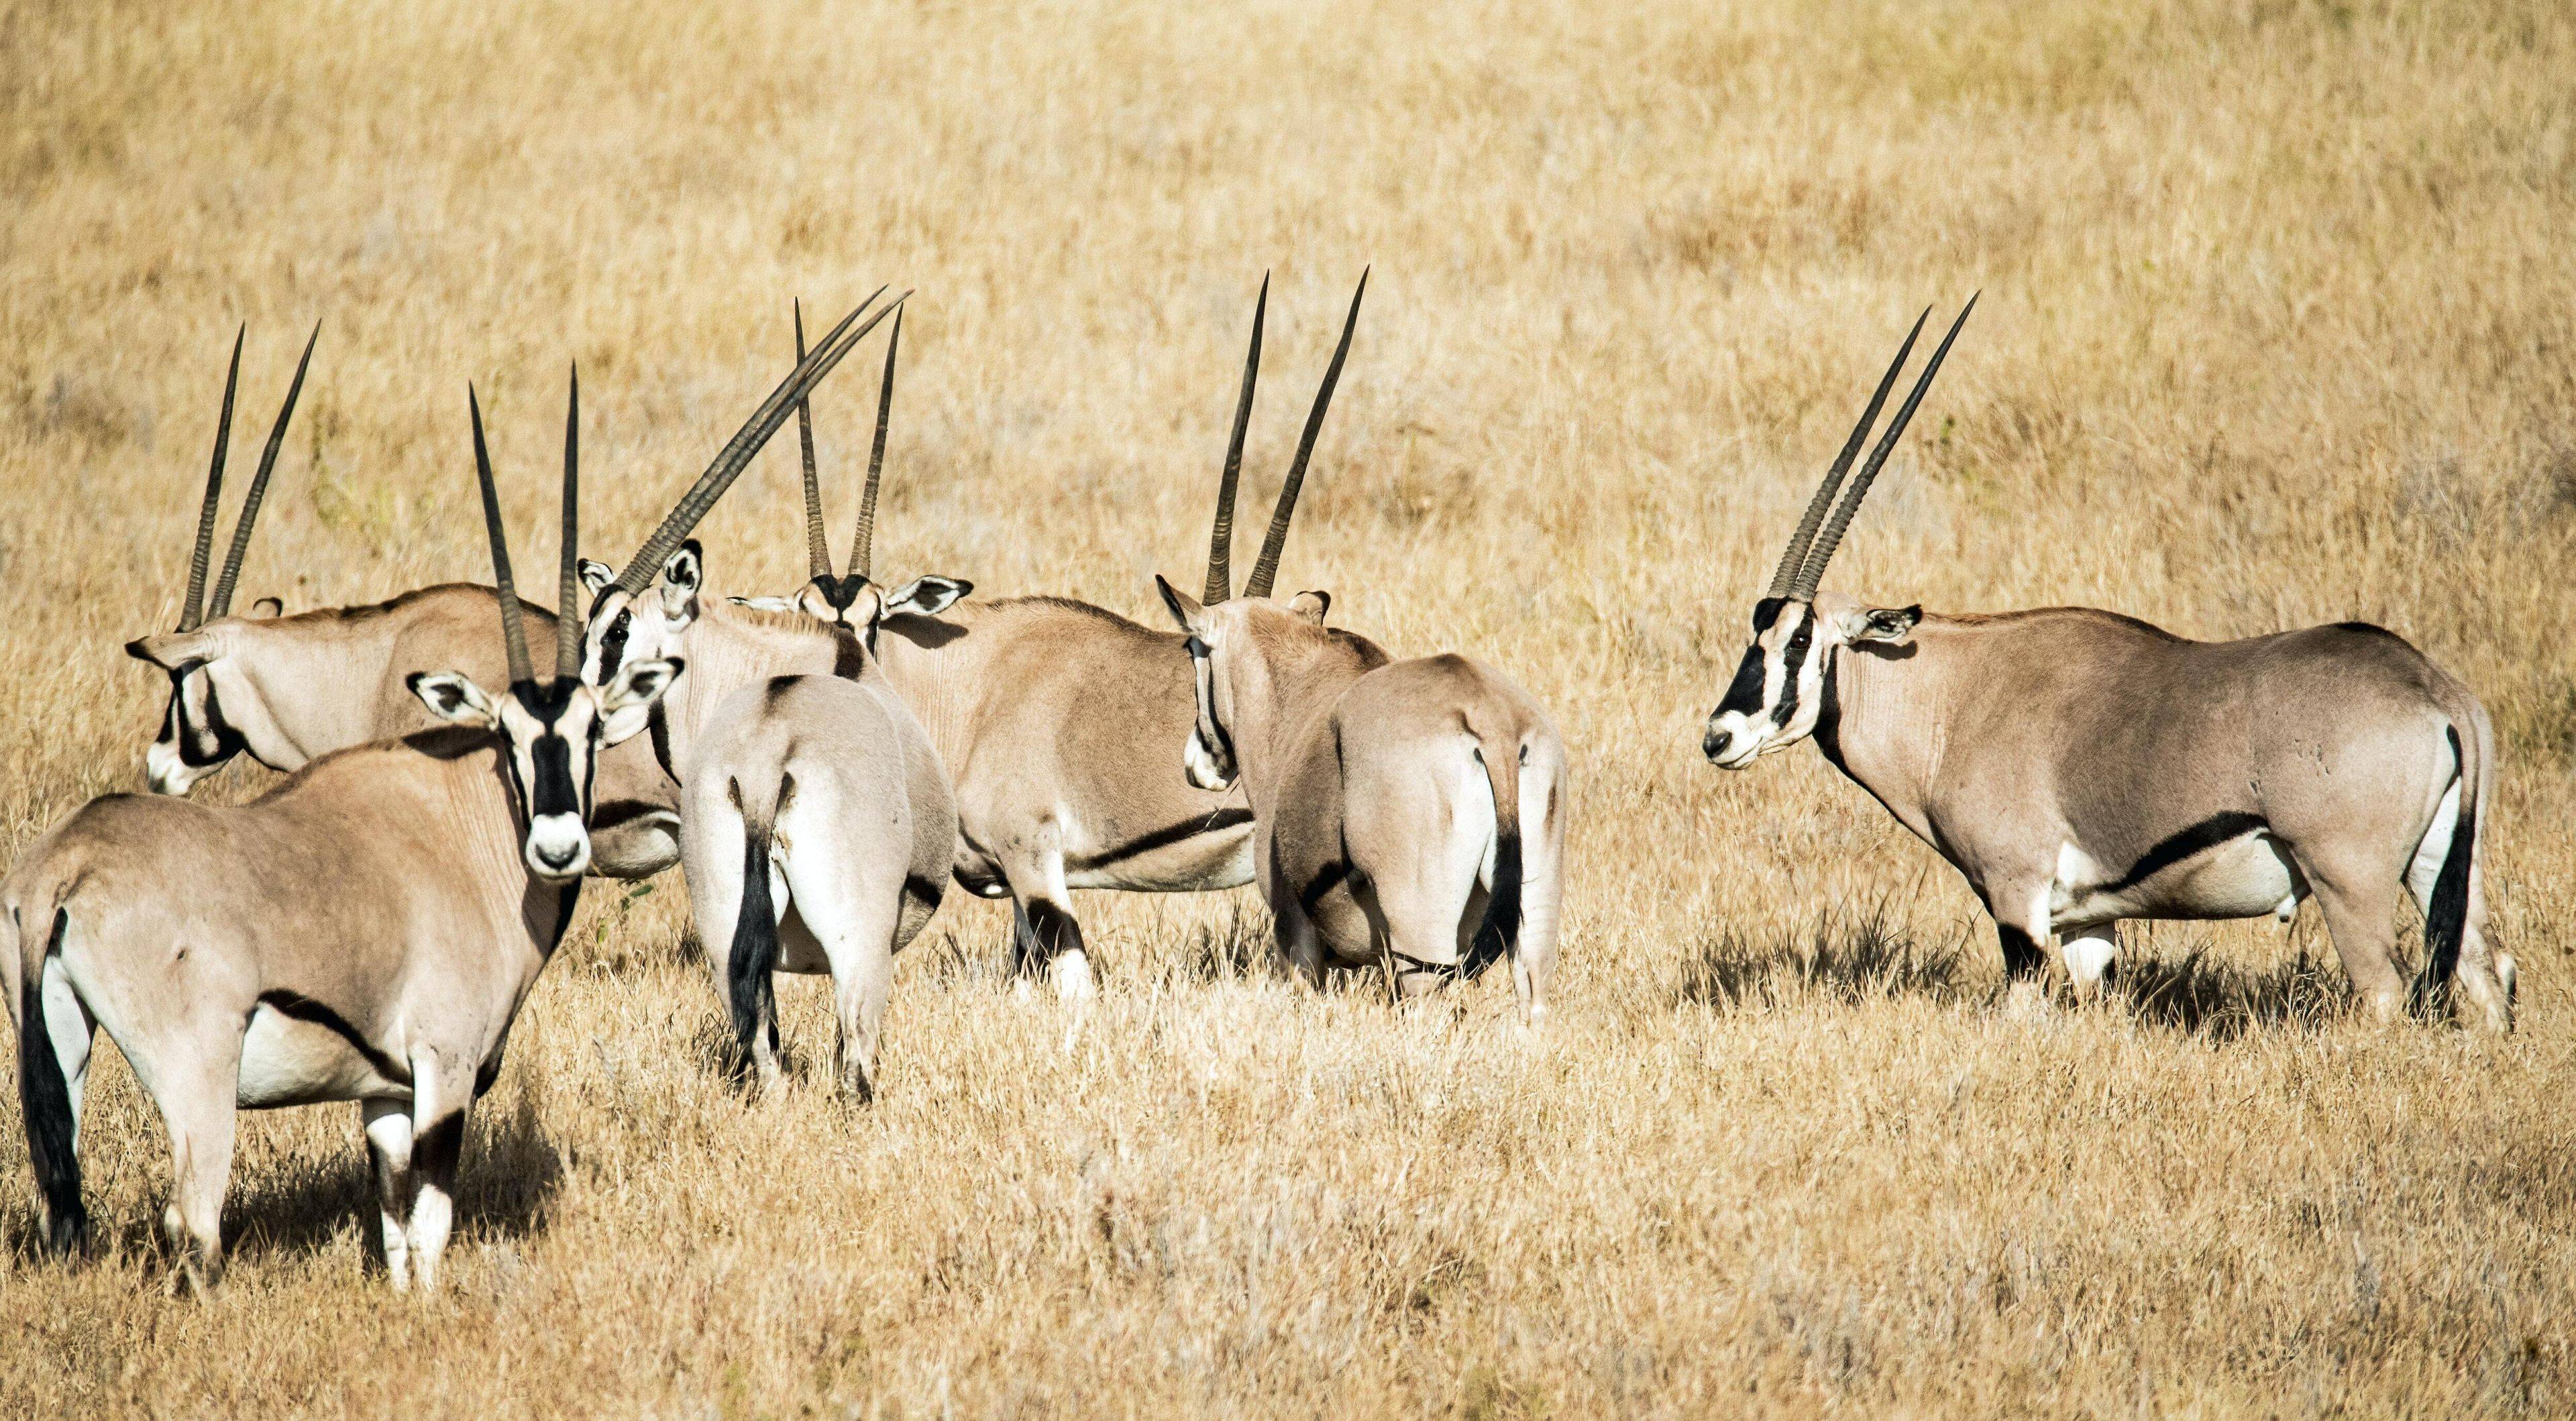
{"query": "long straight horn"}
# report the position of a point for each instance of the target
(818, 556)
(1220, 577)
(860, 544)
(1258, 585)
(748, 441)
(568, 590)
(1794, 557)
(188, 617)
(514, 635)
(1814, 572)
(222, 601)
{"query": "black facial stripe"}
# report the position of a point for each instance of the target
(1801, 642)
(208, 739)
(1212, 736)
(551, 757)
(1744, 693)
(612, 644)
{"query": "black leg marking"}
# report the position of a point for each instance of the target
(1052, 930)
(434, 1150)
(2022, 957)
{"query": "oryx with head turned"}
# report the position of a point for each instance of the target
(366, 931)
(817, 827)
(1051, 716)
(2079, 767)
(284, 689)
(1408, 815)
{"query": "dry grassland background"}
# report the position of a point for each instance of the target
(2279, 327)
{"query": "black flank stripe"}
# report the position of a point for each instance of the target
(2208, 834)
(305, 1009)
(1230, 817)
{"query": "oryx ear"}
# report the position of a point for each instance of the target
(765, 604)
(1185, 609)
(680, 579)
(1890, 625)
(265, 608)
(813, 601)
(1311, 605)
(454, 698)
(627, 705)
(172, 651)
(596, 575)
(927, 596)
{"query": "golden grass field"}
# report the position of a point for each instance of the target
(2279, 327)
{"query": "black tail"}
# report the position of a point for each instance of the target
(1502, 925)
(2446, 920)
(755, 941)
(46, 1099)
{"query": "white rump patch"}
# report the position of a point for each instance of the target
(2426, 869)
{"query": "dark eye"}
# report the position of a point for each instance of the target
(1799, 641)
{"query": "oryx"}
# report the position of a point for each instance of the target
(2079, 767)
(284, 689)
(366, 932)
(1408, 814)
(817, 826)
(1051, 715)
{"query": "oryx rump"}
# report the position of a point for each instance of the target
(1406, 814)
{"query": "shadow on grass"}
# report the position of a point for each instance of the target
(1861, 955)
(1854, 956)
(506, 1185)
(2223, 1000)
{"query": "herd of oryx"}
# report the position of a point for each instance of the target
(823, 764)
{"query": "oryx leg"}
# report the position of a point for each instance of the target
(714, 853)
(854, 922)
(1542, 883)
(388, 1127)
(2360, 905)
(441, 1093)
(71, 1030)
(2022, 926)
(2088, 952)
(195, 1081)
(1050, 938)
(2483, 975)
(1301, 947)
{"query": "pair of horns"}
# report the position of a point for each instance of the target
(818, 553)
(1802, 565)
(514, 632)
(749, 440)
(190, 614)
(1220, 575)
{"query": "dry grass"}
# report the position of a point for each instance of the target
(2280, 327)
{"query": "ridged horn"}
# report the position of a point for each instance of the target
(197, 560)
(1258, 585)
(748, 441)
(514, 633)
(222, 601)
(1220, 574)
(818, 555)
(568, 588)
(1794, 557)
(862, 543)
(1814, 572)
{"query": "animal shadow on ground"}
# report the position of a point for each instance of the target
(2225, 1000)
(506, 1182)
(1850, 955)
